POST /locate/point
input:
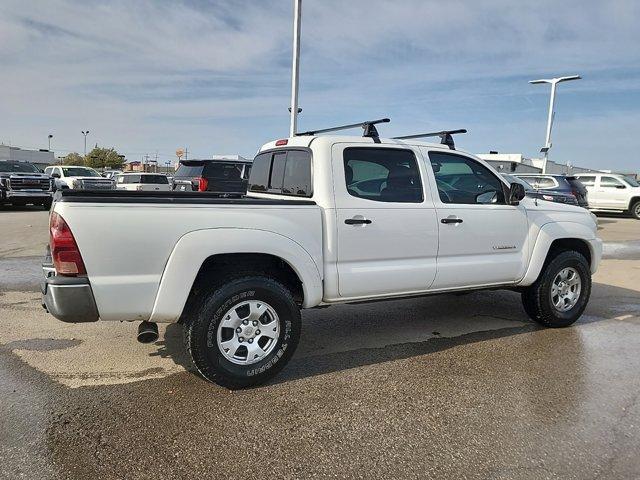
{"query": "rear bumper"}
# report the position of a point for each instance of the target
(69, 299)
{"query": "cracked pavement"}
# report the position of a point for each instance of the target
(437, 387)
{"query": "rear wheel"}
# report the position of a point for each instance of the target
(560, 295)
(635, 210)
(243, 332)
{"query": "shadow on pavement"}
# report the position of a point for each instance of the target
(609, 301)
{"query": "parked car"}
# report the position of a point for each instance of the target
(111, 173)
(548, 195)
(143, 181)
(612, 192)
(21, 183)
(367, 219)
(220, 176)
(78, 177)
(557, 183)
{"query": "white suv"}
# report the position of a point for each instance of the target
(612, 192)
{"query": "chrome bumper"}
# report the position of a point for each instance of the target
(69, 299)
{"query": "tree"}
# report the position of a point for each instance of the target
(104, 158)
(73, 158)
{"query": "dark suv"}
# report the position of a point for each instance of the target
(22, 183)
(557, 183)
(226, 177)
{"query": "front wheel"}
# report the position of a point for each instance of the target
(635, 210)
(560, 295)
(244, 332)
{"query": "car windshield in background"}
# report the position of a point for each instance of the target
(79, 172)
(190, 170)
(154, 179)
(20, 167)
(632, 182)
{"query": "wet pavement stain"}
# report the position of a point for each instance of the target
(43, 344)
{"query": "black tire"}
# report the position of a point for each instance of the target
(635, 210)
(201, 327)
(536, 298)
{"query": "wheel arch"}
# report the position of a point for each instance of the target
(207, 255)
(559, 237)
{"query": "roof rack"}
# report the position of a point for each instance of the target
(445, 136)
(369, 128)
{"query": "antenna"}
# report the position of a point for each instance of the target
(446, 137)
(369, 128)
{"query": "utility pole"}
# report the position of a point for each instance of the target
(186, 153)
(295, 71)
(552, 101)
(49, 138)
(85, 141)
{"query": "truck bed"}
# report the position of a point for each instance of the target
(171, 197)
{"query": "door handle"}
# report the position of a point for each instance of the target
(357, 221)
(451, 220)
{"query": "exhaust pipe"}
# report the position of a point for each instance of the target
(147, 332)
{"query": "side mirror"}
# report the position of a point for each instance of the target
(55, 175)
(436, 167)
(516, 193)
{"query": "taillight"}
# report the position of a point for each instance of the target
(203, 184)
(64, 250)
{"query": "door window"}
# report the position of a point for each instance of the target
(587, 181)
(545, 182)
(465, 181)
(382, 174)
(610, 182)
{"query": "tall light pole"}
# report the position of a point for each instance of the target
(49, 138)
(295, 71)
(554, 83)
(85, 141)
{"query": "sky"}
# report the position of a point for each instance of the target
(147, 77)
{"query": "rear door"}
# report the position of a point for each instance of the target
(387, 233)
(589, 183)
(482, 239)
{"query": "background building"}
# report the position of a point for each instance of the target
(518, 163)
(40, 158)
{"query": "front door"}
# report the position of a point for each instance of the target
(387, 233)
(483, 240)
(612, 193)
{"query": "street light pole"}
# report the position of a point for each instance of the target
(552, 101)
(49, 138)
(85, 141)
(295, 71)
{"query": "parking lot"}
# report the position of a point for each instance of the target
(462, 386)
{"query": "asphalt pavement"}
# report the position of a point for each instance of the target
(449, 386)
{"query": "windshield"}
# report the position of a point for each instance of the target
(79, 172)
(21, 167)
(190, 170)
(632, 182)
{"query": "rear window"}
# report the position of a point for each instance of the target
(155, 179)
(190, 170)
(223, 171)
(284, 172)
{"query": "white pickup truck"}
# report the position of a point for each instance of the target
(327, 220)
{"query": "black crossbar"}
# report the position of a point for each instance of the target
(368, 127)
(446, 137)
